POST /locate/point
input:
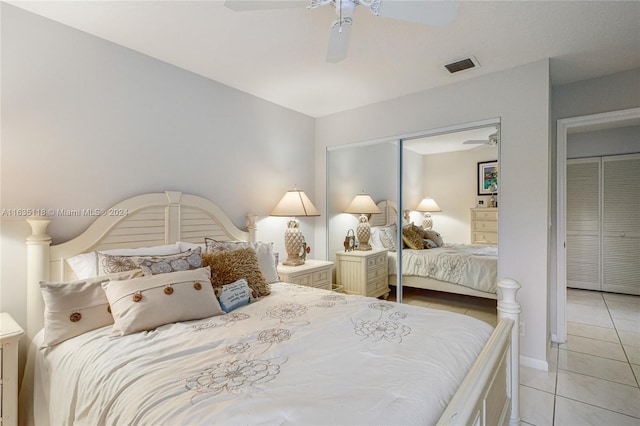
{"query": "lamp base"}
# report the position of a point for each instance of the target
(296, 261)
(427, 222)
(364, 233)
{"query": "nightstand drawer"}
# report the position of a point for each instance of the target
(375, 261)
(377, 272)
(313, 273)
(321, 278)
(302, 280)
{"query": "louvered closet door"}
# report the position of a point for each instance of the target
(621, 224)
(583, 223)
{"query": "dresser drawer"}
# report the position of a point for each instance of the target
(485, 226)
(482, 214)
(485, 237)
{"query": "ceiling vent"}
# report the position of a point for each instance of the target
(462, 64)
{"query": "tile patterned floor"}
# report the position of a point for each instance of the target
(592, 378)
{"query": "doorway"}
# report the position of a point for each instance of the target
(564, 127)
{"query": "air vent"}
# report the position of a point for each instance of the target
(461, 65)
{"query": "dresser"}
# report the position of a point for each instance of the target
(363, 272)
(484, 225)
(313, 273)
(10, 333)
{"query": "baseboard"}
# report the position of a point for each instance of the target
(534, 363)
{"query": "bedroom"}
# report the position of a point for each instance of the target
(60, 91)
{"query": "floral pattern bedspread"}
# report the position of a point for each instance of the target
(299, 356)
(474, 266)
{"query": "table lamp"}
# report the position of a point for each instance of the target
(428, 205)
(295, 203)
(362, 204)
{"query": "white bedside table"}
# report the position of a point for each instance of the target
(363, 272)
(10, 333)
(314, 273)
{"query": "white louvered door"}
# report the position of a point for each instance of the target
(621, 224)
(583, 223)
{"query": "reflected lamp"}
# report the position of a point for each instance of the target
(428, 205)
(363, 205)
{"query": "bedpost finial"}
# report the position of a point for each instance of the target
(39, 226)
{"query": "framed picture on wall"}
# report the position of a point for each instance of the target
(488, 177)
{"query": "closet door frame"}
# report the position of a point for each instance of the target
(564, 126)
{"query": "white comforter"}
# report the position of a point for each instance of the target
(474, 266)
(298, 356)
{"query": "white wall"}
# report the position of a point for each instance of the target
(87, 123)
(520, 97)
(621, 140)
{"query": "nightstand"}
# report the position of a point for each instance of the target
(363, 272)
(10, 333)
(314, 273)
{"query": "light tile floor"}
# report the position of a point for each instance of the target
(592, 378)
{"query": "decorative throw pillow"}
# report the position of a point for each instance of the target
(388, 236)
(231, 265)
(148, 302)
(433, 236)
(412, 237)
(428, 244)
(264, 252)
(152, 265)
(85, 265)
(73, 308)
(234, 295)
(375, 240)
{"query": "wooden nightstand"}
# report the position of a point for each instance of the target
(363, 272)
(10, 333)
(314, 273)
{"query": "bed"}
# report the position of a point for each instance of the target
(468, 269)
(299, 355)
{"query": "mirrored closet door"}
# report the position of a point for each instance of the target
(446, 184)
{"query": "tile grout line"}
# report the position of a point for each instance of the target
(624, 350)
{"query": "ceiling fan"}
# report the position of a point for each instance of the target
(492, 140)
(429, 12)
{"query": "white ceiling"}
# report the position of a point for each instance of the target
(279, 55)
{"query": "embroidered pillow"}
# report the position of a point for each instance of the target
(231, 265)
(148, 302)
(152, 265)
(85, 265)
(388, 236)
(264, 252)
(73, 308)
(234, 295)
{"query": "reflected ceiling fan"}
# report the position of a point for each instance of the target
(492, 140)
(429, 12)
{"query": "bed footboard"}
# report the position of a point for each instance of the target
(489, 394)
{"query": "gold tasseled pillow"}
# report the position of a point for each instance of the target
(412, 237)
(231, 265)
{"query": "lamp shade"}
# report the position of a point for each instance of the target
(295, 203)
(428, 205)
(362, 204)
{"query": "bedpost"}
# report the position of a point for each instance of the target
(508, 307)
(37, 270)
(251, 227)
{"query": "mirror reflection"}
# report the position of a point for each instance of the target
(450, 192)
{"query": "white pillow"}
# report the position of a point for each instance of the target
(149, 302)
(374, 240)
(85, 265)
(73, 308)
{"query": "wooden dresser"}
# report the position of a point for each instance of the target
(484, 225)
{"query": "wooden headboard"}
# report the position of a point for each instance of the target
(141, 221)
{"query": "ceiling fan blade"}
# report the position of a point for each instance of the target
(431, 12)
(248, 5)
(475, 142)
(339, 40)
